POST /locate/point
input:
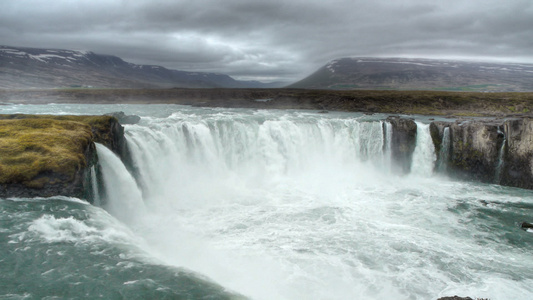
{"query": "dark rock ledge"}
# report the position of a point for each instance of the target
(495, 151)
(488, 150)
(460, 298)
(403, 143)
(45, 155)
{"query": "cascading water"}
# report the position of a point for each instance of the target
(123, 197)
(271, 205)
(444, 153)
(424, 154)
(182, 155)
(295, 197)
(499, 167)
(94, 187)
(387, 132)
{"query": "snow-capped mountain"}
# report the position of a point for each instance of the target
(419, 74)
(52, 68)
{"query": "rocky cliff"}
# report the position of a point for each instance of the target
(493, 151)
(517, 164)
(44, 155)
(403, 143)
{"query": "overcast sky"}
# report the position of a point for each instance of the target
(272, 39)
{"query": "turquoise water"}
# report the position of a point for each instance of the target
(59, 248)
(267, 205)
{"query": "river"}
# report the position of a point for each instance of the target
(265, 204)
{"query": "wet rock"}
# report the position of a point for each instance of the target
(475, 149)
(495, 151)
(125, 119)
(436, 130)
(526, 225)
(518, 159)
(403, 142)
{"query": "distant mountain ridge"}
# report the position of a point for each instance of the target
(419, 74)
(53, 68)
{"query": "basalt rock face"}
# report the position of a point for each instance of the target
(110, 133)
(403, 142)
(436, 130)
(517, 169)
(123, 118)
(474, 148)
(44, 156)
(493, 151)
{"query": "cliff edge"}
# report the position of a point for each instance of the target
(44, 155)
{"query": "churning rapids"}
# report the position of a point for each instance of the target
(265, 204)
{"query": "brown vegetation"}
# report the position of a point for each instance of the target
(29, 147)
(35, 146)
(396, 102)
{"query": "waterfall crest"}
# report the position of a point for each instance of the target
(186, 153)
(501, 155)
(444, 152)
(424, 155)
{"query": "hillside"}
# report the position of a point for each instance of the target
(419, 74)
(22, 68)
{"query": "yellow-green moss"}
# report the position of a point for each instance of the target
(37, 145)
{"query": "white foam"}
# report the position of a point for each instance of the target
(62, 229)
(62, 198)
(284, 206)
(424, 155)
(124, 199)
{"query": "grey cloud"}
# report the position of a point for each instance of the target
(271, 39)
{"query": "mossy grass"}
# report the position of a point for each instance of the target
(34, 146)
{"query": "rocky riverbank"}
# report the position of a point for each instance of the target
(42, 155)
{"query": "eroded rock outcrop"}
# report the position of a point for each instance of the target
(517, 169)
(475, 148)
(123, 118)
(403, 142)
(494, 151)
(45, 156)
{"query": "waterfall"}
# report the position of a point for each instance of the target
(387, 157)
(424, 154)
(501, 154)
(94, 186)
(182, 154)
(123, 198)
(444, 152)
